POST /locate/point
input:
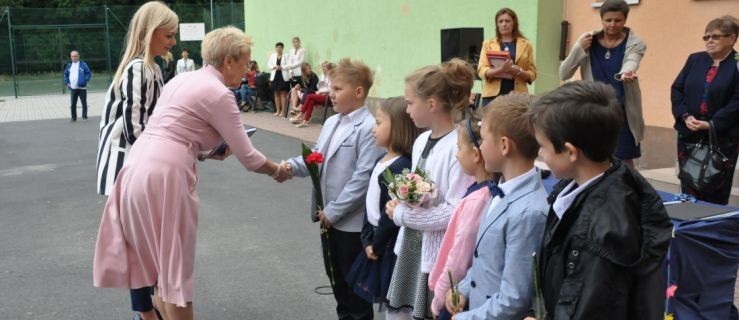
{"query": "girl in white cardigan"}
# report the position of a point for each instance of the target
(435, 95)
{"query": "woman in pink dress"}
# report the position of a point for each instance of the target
(147, 234)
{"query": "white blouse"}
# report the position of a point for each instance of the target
(373, 192)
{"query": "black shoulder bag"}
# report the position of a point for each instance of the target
(704, 166)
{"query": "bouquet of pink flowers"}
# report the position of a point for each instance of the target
(412, 188)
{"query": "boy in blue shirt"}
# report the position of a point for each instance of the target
(498, 284)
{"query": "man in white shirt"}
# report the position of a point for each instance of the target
(76, 76)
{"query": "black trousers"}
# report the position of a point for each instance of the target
(82, 95)
(141, 299)
(343, 250)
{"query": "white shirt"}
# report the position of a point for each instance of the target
(74, 74)
(185, 66)
(508, 187)
(564, 199)
(451, 182)
(297, 57)
(324, 84)
(345, 123)
(373, 192)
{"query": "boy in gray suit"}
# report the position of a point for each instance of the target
(499, 284)
(349, 151)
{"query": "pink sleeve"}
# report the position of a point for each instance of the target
(438, 278)
(459, 258)
(226, 119)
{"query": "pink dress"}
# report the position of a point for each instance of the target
(455, 253)
(148, 229)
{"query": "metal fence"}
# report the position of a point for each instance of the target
(35, 43)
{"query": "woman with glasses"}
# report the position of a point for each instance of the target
(707, 89)
(612, 55)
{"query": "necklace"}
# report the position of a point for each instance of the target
(506, 44)
(608, 48)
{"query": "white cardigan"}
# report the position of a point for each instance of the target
(324, 84)
(444, 169)
(295, 61)
(273, 63)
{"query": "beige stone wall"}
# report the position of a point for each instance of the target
(672, 29)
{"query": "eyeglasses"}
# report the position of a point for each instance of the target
(715, 36)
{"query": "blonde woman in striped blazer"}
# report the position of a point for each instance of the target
(133, 94)
(129, 103)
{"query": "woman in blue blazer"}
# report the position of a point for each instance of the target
(707, 89)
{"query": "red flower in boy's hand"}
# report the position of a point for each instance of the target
(314, 158)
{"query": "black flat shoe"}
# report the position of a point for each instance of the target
(137, 316)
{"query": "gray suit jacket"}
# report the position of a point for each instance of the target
(345, 172)
(499, 284)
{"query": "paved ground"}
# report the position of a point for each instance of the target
(258, 256)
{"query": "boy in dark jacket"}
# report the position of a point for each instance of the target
(607, 231)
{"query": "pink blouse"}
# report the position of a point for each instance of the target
(457, 246)
(203, 115)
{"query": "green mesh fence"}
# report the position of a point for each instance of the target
(35, 43)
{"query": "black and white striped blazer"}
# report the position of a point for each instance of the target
(125, 113)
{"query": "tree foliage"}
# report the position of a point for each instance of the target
(50, 29)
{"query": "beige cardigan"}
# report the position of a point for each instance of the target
(635, 49)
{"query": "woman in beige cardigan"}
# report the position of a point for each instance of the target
(514, 74)
(613, 58)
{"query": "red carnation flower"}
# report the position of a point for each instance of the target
(314, 158)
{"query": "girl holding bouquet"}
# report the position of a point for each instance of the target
(455, 254)
(370, 274)
(436, 96)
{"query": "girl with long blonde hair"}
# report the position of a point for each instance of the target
(130, 100)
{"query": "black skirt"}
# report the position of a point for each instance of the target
(371, 279)
(279, 84)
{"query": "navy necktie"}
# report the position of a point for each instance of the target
(495, 190)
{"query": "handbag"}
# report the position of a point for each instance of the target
(704, 166)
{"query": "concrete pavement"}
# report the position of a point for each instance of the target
(258, 254)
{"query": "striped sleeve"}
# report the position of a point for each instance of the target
(134, 94)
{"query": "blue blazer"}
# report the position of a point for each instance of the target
(723, 95)
(84, 74)
(345, 172)
(499, 284)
